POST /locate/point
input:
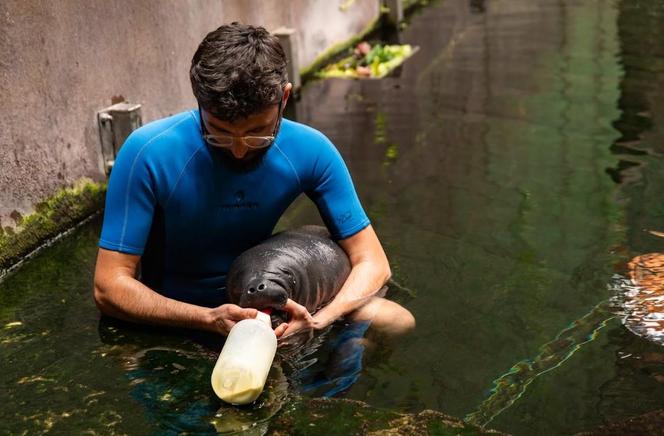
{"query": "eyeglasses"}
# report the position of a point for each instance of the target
(251, 142)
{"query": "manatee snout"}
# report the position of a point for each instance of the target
(262, 293)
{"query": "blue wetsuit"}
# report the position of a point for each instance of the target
(170, 201)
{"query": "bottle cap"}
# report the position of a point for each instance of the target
(265, 318)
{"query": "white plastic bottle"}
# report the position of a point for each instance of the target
(245, 360)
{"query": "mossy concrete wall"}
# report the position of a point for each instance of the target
(61, 62)
(60, 212)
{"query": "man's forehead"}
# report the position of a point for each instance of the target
(259, 119)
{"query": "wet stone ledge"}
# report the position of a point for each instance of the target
(350, 417)
(51, 218)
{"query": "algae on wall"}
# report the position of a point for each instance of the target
(308, 72)
(57, 214)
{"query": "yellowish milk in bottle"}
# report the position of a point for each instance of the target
(245, 360)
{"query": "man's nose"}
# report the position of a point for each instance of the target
(239, 150)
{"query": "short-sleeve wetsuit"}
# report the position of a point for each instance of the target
(188, 216)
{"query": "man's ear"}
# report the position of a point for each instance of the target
(287, 90)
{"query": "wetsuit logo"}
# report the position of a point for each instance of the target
(239, 202)
(342, 218)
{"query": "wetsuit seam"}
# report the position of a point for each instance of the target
(297, 177)
(184, 169)
(192, 114)
(131, 175)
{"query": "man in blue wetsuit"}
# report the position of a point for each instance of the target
(190, 192)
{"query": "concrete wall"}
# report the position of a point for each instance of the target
(62, 61)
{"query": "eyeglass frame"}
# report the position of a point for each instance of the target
(206, 133)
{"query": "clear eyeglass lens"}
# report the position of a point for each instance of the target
(219, 141)
(257, 141)
(249, 141)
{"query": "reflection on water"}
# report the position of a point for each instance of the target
(171, 382)
(170, 385)
(509, 170)
(55, 374)
(509, 387)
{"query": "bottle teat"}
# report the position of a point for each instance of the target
(264, 317)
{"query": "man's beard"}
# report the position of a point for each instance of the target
(249, 163)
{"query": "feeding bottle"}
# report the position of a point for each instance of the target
(245, 360)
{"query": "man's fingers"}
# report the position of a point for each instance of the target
(297, 312)
(249, 313)
(289, 330)
(294, 308)
(281, 328)
(229, 325)
(239, 313)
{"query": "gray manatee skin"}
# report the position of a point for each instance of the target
(302, 264)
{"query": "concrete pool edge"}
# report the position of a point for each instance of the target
(54, 216)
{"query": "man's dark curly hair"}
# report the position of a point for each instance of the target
(238, 70)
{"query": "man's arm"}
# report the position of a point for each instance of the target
(370, 270)
(119, 294)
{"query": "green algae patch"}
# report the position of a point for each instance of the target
(52, 217)
(374, 63)
(310, 72)
(348, 417)
(380, 138)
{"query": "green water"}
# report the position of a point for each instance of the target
(510, 170)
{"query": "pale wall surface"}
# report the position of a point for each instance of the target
(61, 62)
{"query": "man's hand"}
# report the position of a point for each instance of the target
(280, 329)
(226, 316)
(299, 319)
